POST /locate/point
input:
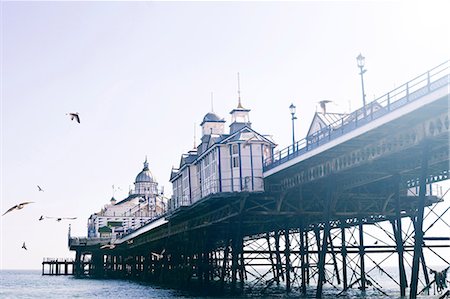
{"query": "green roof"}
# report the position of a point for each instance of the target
(114, 223)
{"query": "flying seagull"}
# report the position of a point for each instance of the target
(23, 246)
(323, 105)
(41, 218)
(17, 207)
(40, 189)
(74, 116)
(108, 246)
(158, 256)
(61, 218)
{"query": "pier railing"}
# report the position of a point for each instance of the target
(57, 260)
(83, 241)
(412, 90)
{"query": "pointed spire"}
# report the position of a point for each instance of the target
(239, 93)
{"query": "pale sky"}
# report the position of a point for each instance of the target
(140, 74)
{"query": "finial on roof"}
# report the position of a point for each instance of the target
(212, 102)
(239, 93)
(195, 136)
(145, 163)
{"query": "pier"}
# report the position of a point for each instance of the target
(335, 206)
(57, 266)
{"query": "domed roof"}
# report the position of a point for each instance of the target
(145, 175)
(212, 117)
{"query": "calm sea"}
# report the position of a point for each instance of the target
(30, 284)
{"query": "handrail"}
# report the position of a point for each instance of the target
(398, 97)
(57, 260)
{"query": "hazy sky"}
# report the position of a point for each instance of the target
(140, 74)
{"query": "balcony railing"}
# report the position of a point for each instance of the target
(409, 92)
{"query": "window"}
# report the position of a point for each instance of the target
(235, 161)
(235, 149)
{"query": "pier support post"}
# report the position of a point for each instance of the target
(302, 258)
(224, 263)
(77, 264)
(344, 256)
(418, 223)
(278, 257)
(397, 228)
(287, 252)
(361, 255)
(324, 245)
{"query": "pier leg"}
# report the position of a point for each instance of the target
(361, 255)
(236, 243)
(278, 257)
(344, 258)
(333, 254)
(397, 228)
(418, 224)
(271, 256)
(287, 252)
(307, 256)
(77, 265)
(324, 249)
(224, 263)
(302, 259)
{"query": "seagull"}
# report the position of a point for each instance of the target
(323, 105)
(158, 256)
(40, 189)
(61, 218)
(109, 246)
(23, 246)
(41, 218)
(74, 116)
(17, 207)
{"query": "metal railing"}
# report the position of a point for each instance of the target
(57, 260)
(77, 241)
(412, 90)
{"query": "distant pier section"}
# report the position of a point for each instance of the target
(57, 266)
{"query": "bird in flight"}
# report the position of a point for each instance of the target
(40, 189)
(323, 105)
(74, 116)
(24, 246)
(61, 218)
(17, 207)
(108, 246)
(41, 218)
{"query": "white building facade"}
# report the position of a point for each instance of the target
(231, 162)
(143, 204)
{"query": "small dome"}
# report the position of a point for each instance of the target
(212, 117)
(145, 175)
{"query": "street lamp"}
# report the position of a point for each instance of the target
(361, 60)
(292, 110)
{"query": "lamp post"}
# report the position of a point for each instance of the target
(361, 60)
(292, 110)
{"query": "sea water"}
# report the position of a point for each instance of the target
(31, 284)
